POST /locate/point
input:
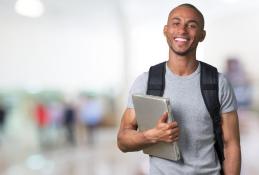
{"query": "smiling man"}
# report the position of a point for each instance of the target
(184, 30)
(194, 128)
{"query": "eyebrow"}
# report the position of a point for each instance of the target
(190, 21)
(175, 18)
(194, 21)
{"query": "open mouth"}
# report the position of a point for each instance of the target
(180, 39)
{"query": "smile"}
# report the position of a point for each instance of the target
(180, 39)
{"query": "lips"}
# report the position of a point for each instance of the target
(180, 39)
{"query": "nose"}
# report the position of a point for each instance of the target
(182, 29)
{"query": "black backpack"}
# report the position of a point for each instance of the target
(209, 90)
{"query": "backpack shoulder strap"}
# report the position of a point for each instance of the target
(209, 87)
(156, 80)
(209, 90)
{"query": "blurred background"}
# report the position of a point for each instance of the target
(66, 68)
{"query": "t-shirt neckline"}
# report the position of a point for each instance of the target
(172, 75)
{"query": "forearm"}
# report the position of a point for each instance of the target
(231, 140)
(130, 139)
(133, 140)
(232, 163)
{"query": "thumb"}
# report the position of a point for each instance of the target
(163, 118)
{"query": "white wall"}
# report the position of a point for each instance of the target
(73, 51)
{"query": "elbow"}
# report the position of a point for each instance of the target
(122, 148)
(120, 144)
(231, 143)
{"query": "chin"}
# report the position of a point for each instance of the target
(182, 53)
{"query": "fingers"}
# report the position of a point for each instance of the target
(172, 135)
(172, 139)
(163, 118)
(167, 126)
(167, 132)
(172, 125)
(173, 132)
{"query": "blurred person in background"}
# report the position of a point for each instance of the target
(2, 117)
(3, 114)
(56, 112)
(69, 119)
(193, 126)
(43, 120)
(240, 82)
(91, 114)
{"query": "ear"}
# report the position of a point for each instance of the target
(165, 30)
(203, 35)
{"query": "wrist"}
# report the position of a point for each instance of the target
(148, 136)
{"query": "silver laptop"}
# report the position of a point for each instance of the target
(148, 109)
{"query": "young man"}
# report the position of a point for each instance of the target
(193, 127)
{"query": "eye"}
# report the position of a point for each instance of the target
(192, 25)
(175, 24)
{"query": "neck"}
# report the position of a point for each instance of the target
(182, 65)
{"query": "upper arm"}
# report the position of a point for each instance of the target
(230, 128)
(128, 120)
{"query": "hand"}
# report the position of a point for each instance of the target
(163, 131)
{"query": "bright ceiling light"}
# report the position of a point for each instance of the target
(29, 8)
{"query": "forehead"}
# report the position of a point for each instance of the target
(185, 13)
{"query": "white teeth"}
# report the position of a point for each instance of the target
(180, 39)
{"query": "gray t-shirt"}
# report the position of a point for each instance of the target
(196, 139)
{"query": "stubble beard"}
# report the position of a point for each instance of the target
(180, 53)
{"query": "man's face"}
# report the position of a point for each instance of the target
(184, 30)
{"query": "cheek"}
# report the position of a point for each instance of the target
(170, 35)
(167, 36)
(196, 38)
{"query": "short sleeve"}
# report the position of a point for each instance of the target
(138, 87)
(227, 98)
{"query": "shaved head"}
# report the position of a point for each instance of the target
(192, 7)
